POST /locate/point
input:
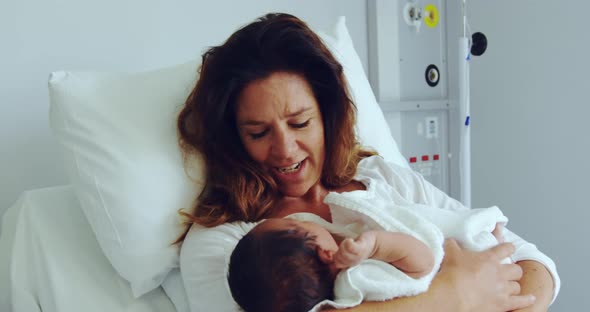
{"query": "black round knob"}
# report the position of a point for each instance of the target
(479, 44)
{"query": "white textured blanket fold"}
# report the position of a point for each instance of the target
(376, 280)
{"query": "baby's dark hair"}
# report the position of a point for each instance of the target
(278, 271)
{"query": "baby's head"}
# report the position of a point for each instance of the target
(283, 265)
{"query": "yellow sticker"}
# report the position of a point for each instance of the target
(431, 16)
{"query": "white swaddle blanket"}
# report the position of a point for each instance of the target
(374, 280)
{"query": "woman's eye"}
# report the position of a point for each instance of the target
(301, 125)
(258, 135)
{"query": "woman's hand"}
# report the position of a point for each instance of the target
(532, 308)
(536, 280)
(468, 281)
(480, 282)
(498, 232)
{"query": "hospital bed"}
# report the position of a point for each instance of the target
(73, 247)
(50, 261)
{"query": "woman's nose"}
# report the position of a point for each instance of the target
(283, 144)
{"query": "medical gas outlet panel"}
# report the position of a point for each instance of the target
(408, 71)
(424, 144)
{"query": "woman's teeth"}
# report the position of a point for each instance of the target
(292, 168)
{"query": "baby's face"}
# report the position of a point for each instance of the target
(323, 238)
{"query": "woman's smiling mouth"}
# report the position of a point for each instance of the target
(290, 169)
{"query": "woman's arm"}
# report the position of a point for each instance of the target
(537, 281)
(467, 282)
(543, 282)
(539, 278)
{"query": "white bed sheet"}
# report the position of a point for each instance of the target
(50, 261)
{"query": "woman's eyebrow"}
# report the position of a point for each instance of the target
(299, 111)
(251, 123)
(288, 115)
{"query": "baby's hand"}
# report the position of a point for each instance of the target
(352, 252)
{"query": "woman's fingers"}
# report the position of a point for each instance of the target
(519, 302)
(501, 251)
(498, 232)
(511, 272)
(513, 288)
(485, 284)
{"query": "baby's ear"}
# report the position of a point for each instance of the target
(326, 256)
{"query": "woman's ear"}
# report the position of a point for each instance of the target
(326, 256)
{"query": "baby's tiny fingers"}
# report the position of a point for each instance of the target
(349, 246)
(341, 261)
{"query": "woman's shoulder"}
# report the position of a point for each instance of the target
(221, 237)
(380, 168)
(404, 181)
(389, 175)
(204, 261)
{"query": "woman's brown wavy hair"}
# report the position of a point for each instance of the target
(236, 187)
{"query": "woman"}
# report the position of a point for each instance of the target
(272, 117)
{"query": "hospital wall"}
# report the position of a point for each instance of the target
(41, 36)
(529, 96)
(530, 114)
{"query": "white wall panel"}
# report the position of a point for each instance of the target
(530, 128)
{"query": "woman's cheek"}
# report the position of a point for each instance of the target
(259, 150)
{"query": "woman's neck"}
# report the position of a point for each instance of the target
(316, 194)
(312, 202)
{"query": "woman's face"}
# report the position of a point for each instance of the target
(280, 125)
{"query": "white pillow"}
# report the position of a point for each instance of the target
(372, 128)
(119, 139)
(118, 133)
